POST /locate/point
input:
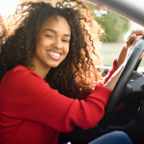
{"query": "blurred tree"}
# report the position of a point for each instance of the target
(114, 25)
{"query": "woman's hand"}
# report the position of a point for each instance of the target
(131, 40)
(127, 50)
(130, 49)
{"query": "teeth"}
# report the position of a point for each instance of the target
(55, 54)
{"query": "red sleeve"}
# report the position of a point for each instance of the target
(111, 71)
(29, 97)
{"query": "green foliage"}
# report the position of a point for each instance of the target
(114, 25)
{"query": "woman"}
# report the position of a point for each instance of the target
(47, 73)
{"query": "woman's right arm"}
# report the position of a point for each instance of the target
(27, 96)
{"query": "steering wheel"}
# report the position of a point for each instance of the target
(116, 95)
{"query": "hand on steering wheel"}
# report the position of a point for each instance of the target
(130, 42)
(121, 84)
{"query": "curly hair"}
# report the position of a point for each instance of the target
(77, 72)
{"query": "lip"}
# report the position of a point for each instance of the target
(54, 54)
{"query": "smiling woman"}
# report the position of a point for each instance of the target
(52, 45)
(24, 24)
(48, 80)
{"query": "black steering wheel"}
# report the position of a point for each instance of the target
(116, 95)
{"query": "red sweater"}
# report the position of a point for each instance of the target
(33, 113)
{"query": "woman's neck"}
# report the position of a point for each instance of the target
(39, 67)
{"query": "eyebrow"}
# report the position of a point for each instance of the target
(56, 32)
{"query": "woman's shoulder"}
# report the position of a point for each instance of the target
(20, 72)
(19, 69)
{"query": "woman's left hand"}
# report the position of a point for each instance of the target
(128, 46)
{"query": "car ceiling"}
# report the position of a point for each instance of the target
(131, 9)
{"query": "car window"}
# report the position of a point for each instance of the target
(117, 29)
(109, 50)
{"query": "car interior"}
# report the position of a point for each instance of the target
(125, 108)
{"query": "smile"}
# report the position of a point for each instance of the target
(54, 55)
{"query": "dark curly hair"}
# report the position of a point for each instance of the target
(77, 72)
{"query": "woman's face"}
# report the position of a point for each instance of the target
(52, 42)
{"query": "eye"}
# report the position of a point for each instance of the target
(65, 41)
(49, 36)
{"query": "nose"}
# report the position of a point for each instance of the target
(58, 44)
